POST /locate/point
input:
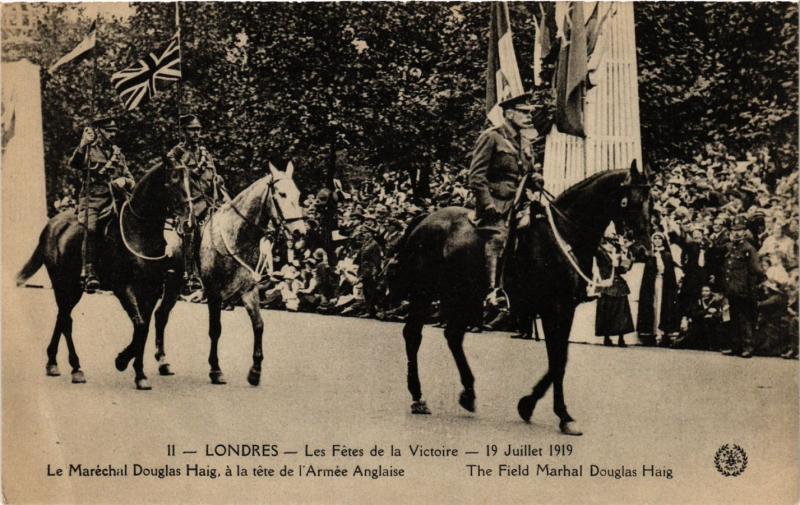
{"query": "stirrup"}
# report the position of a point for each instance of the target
(91, 284)
(497, 297)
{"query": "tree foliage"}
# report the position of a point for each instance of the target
(400, 86)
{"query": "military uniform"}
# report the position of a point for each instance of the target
(743, 274)
(498, 164)
(202, 187)
(106, 165)
(205, 185)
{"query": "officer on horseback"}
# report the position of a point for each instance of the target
(103, 166)
(203, 188)
(500, 161)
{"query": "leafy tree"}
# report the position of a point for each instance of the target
(355, 88)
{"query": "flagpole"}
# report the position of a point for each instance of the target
(86, 160)
(180, 63)
(94, 64)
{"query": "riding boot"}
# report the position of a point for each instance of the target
(496, 296)
(190, 277)
(90, 282)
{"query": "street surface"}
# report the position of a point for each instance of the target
(332, 380)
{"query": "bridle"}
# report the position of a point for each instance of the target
(277, 213)
(564, 247)
(265, 253)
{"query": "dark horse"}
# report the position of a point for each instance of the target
(131, 262)
(441, 256)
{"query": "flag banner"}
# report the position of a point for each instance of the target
(502, 78)
(571, 73)
(139, 83)
(595, 43)
(537, 54)
(85, 45)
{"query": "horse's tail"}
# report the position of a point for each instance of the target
(397, 275)
(35, 262)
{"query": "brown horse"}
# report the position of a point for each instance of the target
(441, 257)
(131, 262)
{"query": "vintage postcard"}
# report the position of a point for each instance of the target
(391, 252)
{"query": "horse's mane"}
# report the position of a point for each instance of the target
(144, 183)
(239, 199)
(578, 190)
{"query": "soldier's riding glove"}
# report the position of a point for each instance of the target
(121, 182)
(88, 136)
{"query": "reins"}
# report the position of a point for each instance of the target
(125, 240)
(265, 245)
(565, 248)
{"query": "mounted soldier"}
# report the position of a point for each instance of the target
(203, 188)
(502, 159)
(103, 166)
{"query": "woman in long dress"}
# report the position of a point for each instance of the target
(613, 315)
(658, 296)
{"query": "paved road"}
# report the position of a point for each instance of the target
(332, 380)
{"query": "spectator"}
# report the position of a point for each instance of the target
(694, 259)
(743, 274)
(703, 323)
(658, 296)
(773, 318)
(613, 316)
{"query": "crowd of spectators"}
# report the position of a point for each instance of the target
(698, 205)
(338, 267)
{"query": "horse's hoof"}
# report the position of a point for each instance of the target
(217, 378)
(52, 371)
(78, 377)
(254, 377)
(121, 362)
(420, 407)
(143, 384)
(467, 400)
(165, 369)
(525, 408)
(570, 428)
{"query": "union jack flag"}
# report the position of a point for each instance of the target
(137, 83)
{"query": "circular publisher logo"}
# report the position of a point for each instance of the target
(730, 460)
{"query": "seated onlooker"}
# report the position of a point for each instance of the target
(702, 326)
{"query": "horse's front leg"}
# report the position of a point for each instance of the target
(214, 332)
(139, 314)
(557, 349)
(172, 288)
(250, 300)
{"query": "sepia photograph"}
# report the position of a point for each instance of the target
(399, 252)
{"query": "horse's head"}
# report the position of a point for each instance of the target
(285, 201)
(633, 209)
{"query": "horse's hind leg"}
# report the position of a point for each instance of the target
(214, 332)
(66, 298)
(52, 348)
(172, 288)
(412, 334)
(454, 332)
(250, 300)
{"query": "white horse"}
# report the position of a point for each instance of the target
(235, 252)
